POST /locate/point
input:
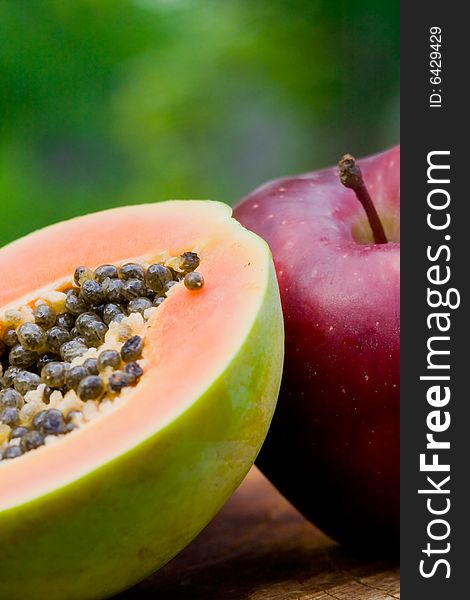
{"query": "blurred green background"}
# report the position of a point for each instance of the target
(109, 102)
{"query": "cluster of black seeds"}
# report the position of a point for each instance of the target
(41, 352)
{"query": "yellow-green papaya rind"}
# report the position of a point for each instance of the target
(122, 521)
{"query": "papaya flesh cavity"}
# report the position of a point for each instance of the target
(72, 353)
(97, 507)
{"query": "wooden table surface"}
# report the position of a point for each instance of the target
(260, 548)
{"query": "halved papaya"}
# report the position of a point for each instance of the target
(97, 507)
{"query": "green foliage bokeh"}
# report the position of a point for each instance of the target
(125, 101)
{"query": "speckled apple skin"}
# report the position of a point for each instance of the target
(333, 448)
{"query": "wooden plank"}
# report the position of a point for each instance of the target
(260, 548)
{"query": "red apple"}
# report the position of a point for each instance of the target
(333, 448)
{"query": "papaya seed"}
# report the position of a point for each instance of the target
(12, 452)
(108, 358)
(118, 381)
(132, 349)
(132, 271)
(189, 261)
(90, 388)
(106, 271)
(45, 316)
(82, 274)
(193, 280)
(31, 337)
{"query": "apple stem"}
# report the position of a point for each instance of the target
(351, 177)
